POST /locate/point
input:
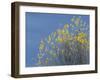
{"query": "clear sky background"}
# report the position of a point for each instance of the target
(39, 26)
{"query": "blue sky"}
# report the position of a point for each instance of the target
(39, 26)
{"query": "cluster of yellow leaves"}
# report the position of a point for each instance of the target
(49, 39)
(81, 38)
(42, 45)
(62, 34)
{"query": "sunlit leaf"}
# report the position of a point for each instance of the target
(66, 26)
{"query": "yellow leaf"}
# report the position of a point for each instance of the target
(66, 26)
